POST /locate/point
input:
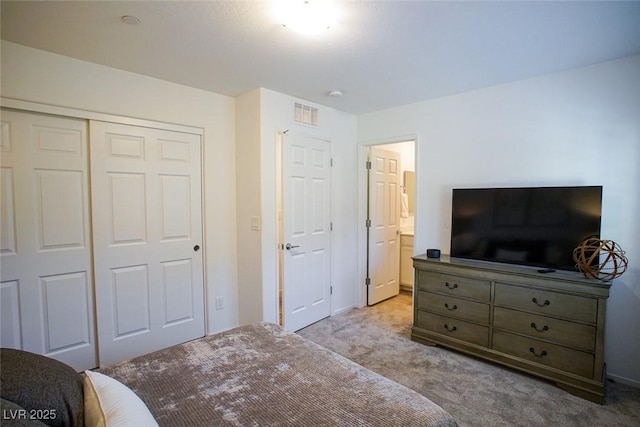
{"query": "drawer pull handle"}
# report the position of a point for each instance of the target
(450, 286)
(452, 329)
(541, 354)
(544, 328)
(446, 305)
(535, 301)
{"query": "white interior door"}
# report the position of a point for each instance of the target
(384, 217)
(146, 197)
(46, 290)
(306, 216)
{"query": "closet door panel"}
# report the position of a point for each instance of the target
(58, 293)
(46, 278)
(11, 333)
(146, 187)
(7, 212)
(130, 290)
(127, 208)
(179, 300)
(176, 206)
(59, 203)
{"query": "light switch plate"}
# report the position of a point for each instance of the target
(255, 223)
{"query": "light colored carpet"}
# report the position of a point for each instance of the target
(475, 392)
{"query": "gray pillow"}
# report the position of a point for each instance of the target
(44, 387)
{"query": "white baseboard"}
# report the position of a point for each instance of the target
(623, 380)
(342, 310)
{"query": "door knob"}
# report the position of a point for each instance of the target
(196, 248)
(289, 246)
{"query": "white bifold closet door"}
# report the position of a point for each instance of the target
(147, 231)
(46, 289)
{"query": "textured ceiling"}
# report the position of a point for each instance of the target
(381, 54)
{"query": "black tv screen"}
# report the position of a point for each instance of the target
(535, 226)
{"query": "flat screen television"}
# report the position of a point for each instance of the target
(535, 226)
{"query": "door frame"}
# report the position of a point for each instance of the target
(55, 110)
(363, 147)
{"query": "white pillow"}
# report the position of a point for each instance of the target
(109, 403)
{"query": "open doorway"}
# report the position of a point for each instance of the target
(389, 204)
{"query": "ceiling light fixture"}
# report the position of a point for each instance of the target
(307, 16)
(336, 93)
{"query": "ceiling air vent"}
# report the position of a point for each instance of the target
(306, 114)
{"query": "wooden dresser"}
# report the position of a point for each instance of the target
(547, 324)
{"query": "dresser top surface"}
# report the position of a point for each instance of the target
(523, 270)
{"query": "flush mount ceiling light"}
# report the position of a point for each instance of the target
(307, 16)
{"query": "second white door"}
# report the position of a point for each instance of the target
(384, 221)
(306, 207)
(146, 198)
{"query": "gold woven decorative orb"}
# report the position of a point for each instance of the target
(600, 259)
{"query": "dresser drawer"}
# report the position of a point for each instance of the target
(453, 328)
(453, 307)
(460, 286)
(550, 303)
(555, 356)
(559, 331)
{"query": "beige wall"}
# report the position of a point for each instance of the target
(37, 76)
(576, 128)
(579, 127)
(260, 284)
(245, 277)
(248, 154)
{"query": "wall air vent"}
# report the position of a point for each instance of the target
(305, 114)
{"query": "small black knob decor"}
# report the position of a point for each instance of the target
(196, 248)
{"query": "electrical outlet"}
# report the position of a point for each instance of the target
(219, 303)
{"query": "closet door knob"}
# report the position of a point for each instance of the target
(196, 248)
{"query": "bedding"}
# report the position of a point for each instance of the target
(254, 375)
(261, 374)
